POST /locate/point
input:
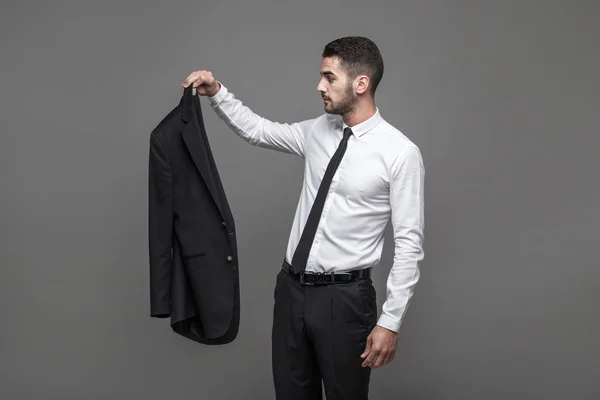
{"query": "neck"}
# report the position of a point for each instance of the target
(362, 112)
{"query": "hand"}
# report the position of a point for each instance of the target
(203, 81)
(381, 347)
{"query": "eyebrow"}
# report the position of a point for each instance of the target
(327, 73)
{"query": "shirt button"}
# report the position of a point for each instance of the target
(223, 222)
(229, 259)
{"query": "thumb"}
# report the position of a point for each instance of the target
(367, 347)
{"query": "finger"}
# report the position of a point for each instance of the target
(367, 347)
(191, 78)
(188, 80)
(371, 358)
(385, 357)
(206, 79)
(371, 364)
(381, 359)
(390, 357)
(202, 79)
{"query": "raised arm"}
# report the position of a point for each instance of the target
(254, 129)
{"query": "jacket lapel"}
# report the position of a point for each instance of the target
(194, 136)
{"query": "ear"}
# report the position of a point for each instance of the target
(361, 84)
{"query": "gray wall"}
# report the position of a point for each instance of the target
(502, 98)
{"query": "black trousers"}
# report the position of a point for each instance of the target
(318, 335)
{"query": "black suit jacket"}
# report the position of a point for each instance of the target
(194, 275)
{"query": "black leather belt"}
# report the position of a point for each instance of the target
(326, 278)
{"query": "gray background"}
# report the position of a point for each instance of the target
(502, 97)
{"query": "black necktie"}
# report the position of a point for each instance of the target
(308, 235)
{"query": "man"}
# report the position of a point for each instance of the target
(360, 172)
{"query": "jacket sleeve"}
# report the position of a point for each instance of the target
(160, 229)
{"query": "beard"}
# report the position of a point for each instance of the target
(345, 106)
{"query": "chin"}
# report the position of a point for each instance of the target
(328, 109)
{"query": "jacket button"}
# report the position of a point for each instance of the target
(229, 258)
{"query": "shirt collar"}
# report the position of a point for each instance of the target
(360, 129)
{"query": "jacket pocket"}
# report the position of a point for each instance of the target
(194, 256)
(213, 291)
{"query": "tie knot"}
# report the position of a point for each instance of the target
(347, 132)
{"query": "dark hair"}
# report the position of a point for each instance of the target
(358, 55)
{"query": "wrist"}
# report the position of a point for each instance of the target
(215, 89)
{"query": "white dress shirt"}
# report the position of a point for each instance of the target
(381, 177)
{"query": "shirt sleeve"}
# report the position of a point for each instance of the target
(407, 204)
(259, 131)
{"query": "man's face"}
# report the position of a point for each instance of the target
(336, 88)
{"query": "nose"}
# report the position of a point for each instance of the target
(320, 87)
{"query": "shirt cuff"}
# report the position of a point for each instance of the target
(217, 98)
(393, 324)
